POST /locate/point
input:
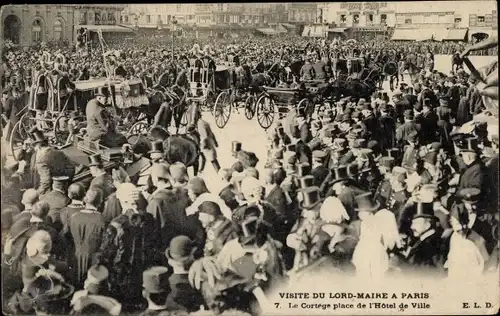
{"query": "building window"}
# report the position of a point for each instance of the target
(383, 18)
(480, 19)
(355, 19)
(370, 17)
(458, 20)
(58, 30)
(126, 19)
(148, 18)
(179, 8)
(158, 18)
(407, 21)
(111, 17)
(37, 31)
(343, 18)
(83, 18)
(97, 18)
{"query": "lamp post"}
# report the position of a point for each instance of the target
(174, 29)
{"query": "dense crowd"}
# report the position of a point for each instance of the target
(379, 186)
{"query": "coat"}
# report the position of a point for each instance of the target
(219, 233)
(285, 218)
(406, 129)
(429, 126)
(305, 133)
(98, 120)
(56, 200)
(474, 176)
(182, 296)
(105, 183)
(50, 162)
(427, 253)
(168, 209)
(319, 173)
(387, 128)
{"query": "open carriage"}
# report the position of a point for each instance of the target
(278, 101)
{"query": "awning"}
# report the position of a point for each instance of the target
(456, 35)
(419, 34)
(337, 29)
(267, 31)
(288, 25)
(107, 28)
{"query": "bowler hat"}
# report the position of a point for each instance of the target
(210, 207)
(156, 147)
(95, 160)
(365, 203)
(155, 279)
(339, 173)
(181, 249)
(310, 198)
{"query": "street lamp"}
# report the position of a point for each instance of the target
(174, 29)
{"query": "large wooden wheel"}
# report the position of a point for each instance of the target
(139, 128)
(222, 109)
(20, 132)
(265, 110)
(250, 105)
(307, 106)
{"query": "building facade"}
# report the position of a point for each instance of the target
(30, 24)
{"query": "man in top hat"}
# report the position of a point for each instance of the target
(48, 163)
(383, 191)
(407, 128)
(219, 229)
(428, 122)
(399, 195)
(180, 255)
(475, 174)
(319, 170)
(387, 126)
(343, 186)
(304, 234)
(157, 153)
(425, 250)
(101, 179)
(100, 123)
(155, 290)
(57, 199)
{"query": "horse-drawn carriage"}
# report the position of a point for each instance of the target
(62, 117)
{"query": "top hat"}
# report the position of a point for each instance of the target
(309, 198)
(470, 145)
(306, 181)
(303, 169)
(157, 147)
(339, 173)
(352, 170)
(365, 203)
(210, 207)
(393, 152)
(181, 249)
(424, 210)
(155, 279)
(235, 146)
(38, 137)
(95, 160)
(102, 91)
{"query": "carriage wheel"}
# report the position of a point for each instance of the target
(208, 105)
(265, 109)
(250, 107)
(20, 132)
(222, 109)
(307, 106)
(139, 128)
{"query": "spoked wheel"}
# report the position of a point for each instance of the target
(20, 132)
(208, 105)
(265, 110)
(222, 109)
(307, 106)
(139, 128)
(250, 105)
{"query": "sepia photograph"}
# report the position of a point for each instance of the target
(250, 159)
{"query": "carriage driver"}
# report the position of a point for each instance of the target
(100, 124)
